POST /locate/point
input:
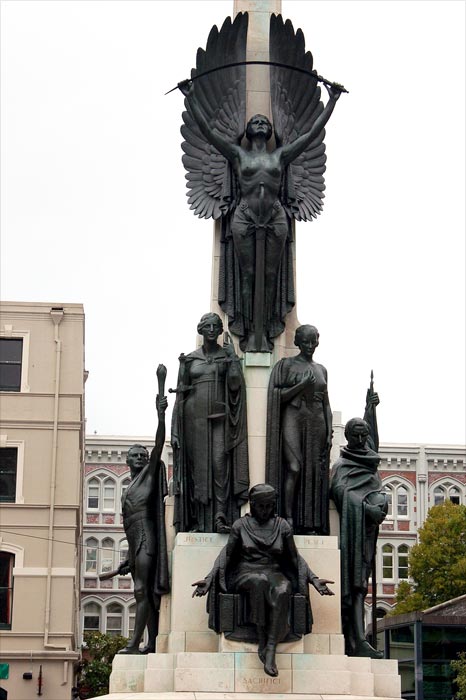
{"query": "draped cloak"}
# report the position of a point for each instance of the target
(354, 479)
(311, 512)
(195, 418)
(262, 553)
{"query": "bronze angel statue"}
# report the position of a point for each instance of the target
(255, 189)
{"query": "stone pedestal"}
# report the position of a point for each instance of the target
(193, 557)
(240, 676)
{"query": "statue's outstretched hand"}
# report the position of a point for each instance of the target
(202, 587)
(123, 569)
(320, 585)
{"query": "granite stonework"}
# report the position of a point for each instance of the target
(231, 675)
(193, 557)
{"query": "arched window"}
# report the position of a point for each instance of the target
(448, 490)
(124, 486)
(123, 551)
(439, 495)
(7, 562)
(107, 555)
(92, 615)
(403, 552)
(389, 492)
(114, 619)
(91, 555)
(387, 561)
(131, 618)
(402, 501)
(454, 494)
(399, 500)
(93, 494)
(109, 495)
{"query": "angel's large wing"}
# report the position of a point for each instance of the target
(221, 96)
(296, 104)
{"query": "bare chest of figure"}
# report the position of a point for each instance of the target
(259, 171)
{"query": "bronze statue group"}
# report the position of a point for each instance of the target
(256, 191)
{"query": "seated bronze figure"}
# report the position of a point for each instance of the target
(258, 586)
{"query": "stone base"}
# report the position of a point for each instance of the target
(231, 675)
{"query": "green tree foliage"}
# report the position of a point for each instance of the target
(437, 564)
(98, 652)
(459, 667)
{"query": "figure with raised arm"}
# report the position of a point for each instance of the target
(256, 189)
(356, 488)
(144, 523)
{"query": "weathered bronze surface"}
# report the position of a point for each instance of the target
(259, 583)
(256, 190)
(209, 435)
(144, 523)
(356, 489)
(299, 437)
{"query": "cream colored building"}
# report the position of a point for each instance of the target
(41, 464)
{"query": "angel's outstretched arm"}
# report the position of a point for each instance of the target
(292, 150)
(213, 136)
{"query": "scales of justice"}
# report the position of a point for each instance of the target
(251, 577)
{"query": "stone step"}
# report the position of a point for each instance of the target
(241, 674)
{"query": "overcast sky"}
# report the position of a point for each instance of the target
(94, 207)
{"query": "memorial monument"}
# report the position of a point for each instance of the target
(254, 151)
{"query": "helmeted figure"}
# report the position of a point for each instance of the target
(209, 435)
(256, 191)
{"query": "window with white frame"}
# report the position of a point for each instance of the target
(447, 490)
(101, 494)
(387, 561)
(92, 617)
(114, 619)
(93, 494)
(123, 551)
(109, 488)
(92, 548)
(7, 562)
(124, 485)
(395, 562)
(131, 619)
(14, 360)
(11, 357)
(107, 555)
(8, 473)
(399, 500)
(403, 553)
